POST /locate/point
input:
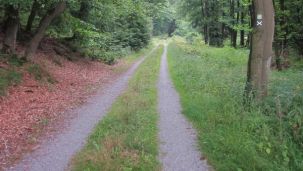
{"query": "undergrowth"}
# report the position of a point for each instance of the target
(40, 74)
(126, 139)
(268, 136)
(9, 76)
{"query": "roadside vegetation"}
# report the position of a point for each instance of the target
(126, 139)
(266, 135)
(9, 74)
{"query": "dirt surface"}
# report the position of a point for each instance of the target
(178, 150)
(56, 151)
(29, 107)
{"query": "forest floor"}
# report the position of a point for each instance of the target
(47, 90)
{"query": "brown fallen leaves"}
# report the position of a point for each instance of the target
(31, 105)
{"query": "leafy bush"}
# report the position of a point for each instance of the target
(121, 29)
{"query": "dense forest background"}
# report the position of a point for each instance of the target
(106, 29)
(231, 20)
(101, 30)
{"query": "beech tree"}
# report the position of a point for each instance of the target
(12, 21)
(11, 26)
(44, 23)
(262, 19)
(34, 9)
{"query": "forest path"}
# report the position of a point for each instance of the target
(178, 149)
(55, 152)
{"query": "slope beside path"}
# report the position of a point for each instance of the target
(55, 152)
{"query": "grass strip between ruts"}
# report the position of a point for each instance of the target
(126, 139)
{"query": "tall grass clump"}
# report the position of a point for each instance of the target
(267, 136)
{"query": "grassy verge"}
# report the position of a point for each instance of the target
(126, 139)
(211, 82)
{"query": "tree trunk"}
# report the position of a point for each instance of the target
(281, 41)
(263, 23)
(231, 30)
(84, 10)
(204, 13)
(234, 36)
(237, 22)
(248, 40)
(278, 60)
(31, 17)
(44, 23)
(11, 29)
(206, 33)
(242, 32)
(242, 38)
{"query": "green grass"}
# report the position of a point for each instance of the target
(126, 139)
(266, 137)
(9, 76)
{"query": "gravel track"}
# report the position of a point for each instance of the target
(55, 153)
(178, 150)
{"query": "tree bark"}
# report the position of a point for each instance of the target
(281, 41)
(242, 32)
(84, 10)
(237, 22)
(233, 32)
(31, 17)
(44, 23)
(11, 29)
(204, 13)
(261, 48)
(206, 33)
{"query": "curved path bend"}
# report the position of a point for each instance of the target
(178, 148)
(54, 154)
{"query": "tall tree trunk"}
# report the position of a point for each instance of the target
(206, 34)
(248, 41)
(237, 22)
(204, 13)
(44, 23)
(223, 30)
(233, 31)
(262, 14)
(281, 43)
(11, 29)
(31, 17)
(215, 26)
(242, 32)
(242, 38)
(84, 10)
(232, 15)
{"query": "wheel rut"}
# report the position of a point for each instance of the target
(55, 152)
(178, 148)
